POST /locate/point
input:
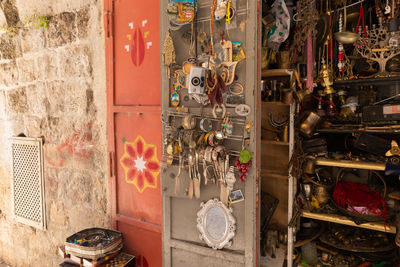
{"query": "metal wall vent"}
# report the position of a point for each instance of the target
(28, 182)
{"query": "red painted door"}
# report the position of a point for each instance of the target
(134, 126)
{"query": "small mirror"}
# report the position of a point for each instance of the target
(216, 224)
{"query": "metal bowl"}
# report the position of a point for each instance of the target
(346, 37)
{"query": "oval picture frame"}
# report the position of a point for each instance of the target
(236, 88)
(216, 224)
(243, 110)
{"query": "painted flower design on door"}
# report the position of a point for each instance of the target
(140, 164)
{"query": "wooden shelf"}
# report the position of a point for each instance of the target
(276, 73)
(376, 166)
(377, 130)
(274, 103)
(374, 81)
(335, 218)
(273, 142)
(272, 174)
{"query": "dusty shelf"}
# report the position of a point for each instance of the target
(335, 218)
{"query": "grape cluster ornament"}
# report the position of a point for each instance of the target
(243, 164)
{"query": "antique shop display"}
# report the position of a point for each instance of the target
(344, 92)
(379, 47)
(205, 121)
(323, 118)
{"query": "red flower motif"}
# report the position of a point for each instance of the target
(141, 164)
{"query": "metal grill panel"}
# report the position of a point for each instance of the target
(28, 183)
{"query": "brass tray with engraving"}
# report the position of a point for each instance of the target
(357, 240)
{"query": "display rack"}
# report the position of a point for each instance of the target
(355, 164)
(284, 173)
(335, 218)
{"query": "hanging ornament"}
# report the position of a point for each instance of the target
(243, 164)
(341, 48)
(169, 56)
(175, 96)
(215, 87)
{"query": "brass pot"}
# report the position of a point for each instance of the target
(321, 194)
(284, 60)
(309, 124)
(309, 166)
(346, 37)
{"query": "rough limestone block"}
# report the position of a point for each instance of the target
(2, 105)
(9, 46)
(8, 74)
(3, 21)
(33, 126)
(76, 98)
(82, 22)
(16, 125)
(33, 39)
(50, 129)
(36, 93)
(27, 70)
(57, 216)
(17, 102)
(48, 65)
(55, 98)
(75, 61)
(61, 29)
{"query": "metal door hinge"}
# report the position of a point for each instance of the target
(108, 18)
(111, 162)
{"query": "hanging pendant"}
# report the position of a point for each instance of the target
(175, 99)
(169, 55)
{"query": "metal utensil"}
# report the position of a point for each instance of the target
(346, 37)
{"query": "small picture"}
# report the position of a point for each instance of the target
(236, 196)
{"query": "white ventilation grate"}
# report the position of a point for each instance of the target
(28, 182)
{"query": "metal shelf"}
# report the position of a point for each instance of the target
(376, 166)
(377, 226)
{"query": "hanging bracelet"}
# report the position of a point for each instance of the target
(205, 125)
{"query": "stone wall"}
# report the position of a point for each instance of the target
(52, 85)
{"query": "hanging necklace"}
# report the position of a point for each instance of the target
(211, 49)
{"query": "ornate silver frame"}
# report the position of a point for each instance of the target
(229, 228)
